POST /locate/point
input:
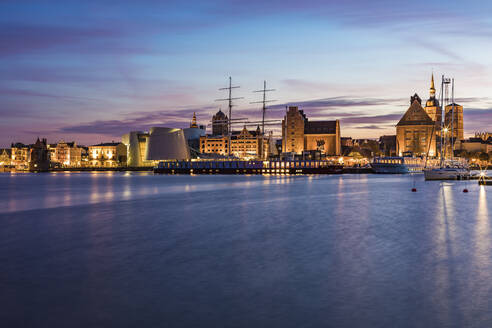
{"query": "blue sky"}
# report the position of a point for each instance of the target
(92, 70)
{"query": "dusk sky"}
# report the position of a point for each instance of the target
(91, 71)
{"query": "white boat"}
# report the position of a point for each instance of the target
(452, 170)
(446, 173)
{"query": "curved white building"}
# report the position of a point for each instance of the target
(166, 144)
(144, 148)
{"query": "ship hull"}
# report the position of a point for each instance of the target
(389, 168)
(446, 174)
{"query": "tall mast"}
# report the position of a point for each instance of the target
(445, 101)
(264, 102)
(229, 99)
(264, 108)
(441, 126)
(452, 118)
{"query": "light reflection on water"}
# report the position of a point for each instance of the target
(346, 251)
(93, 190)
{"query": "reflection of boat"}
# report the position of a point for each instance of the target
(391, 165)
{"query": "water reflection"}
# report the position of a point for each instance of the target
(482, 236)
(349, 248)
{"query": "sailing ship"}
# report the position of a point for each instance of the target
(449, 168)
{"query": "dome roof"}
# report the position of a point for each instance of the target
(432, 102)
(220, 114)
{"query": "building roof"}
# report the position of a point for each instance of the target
(19, 145)
(415, 115)
(432, 102)
(107, 144)
(320, 127)
(387, 138)
(478, 140)
(220, 115)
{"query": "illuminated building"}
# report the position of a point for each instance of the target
(433, 109)
(300, 135)
(5, 157)
(387, 145)
(21, 156)
(110, 154)
(482, 142)
(244, 144)
(39, 159)
(415, 132)
(66, 154)
(145, 148)
(214, 145)
(453, 120)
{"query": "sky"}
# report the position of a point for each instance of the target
(91, 71)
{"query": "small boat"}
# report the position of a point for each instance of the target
(451, 170)
(447, 173)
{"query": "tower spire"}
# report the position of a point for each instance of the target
(432, 88)
(193, 121)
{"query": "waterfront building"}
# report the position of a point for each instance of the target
(111, 154)
(167, 144)
(39, 159)
(387, 145)
(244, 144)
(21, 156)
(146, 148)
(453, 121)
(66, 154)
(347, 141)
(481, 143)
(300, 135)
(250, 144)
(415, 132)
(5, 157)
(136, 148)
(213, 144)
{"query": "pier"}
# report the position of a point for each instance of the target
(249, 167)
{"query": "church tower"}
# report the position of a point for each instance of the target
(432, 107)
(434, 110)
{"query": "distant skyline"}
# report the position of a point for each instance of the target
(91, 71)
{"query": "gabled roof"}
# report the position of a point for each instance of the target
(415, 115)
(6, 151)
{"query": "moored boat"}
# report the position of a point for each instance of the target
(249, 167)
(396, 165)
(451, 170)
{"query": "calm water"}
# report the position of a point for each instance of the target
(118, 250)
